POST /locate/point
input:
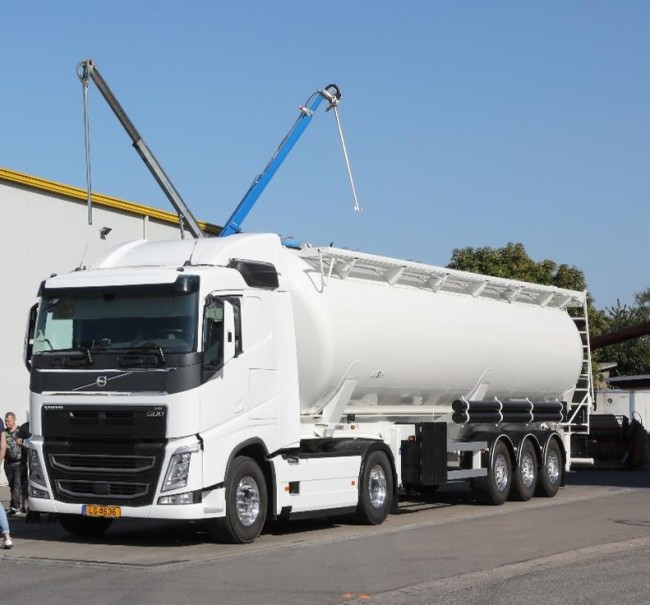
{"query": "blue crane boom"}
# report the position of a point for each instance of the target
(332, 95)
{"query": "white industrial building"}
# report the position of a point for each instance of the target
(46, 231)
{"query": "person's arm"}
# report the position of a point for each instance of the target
(21, 435)
(3, 445)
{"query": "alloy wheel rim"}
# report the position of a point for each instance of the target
(377, 486)
(527, 470)
(553, 468)
(248, 501)
(501, 472)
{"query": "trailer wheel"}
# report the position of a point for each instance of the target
(79, 525)
(375, 489)
(525, 479)
(246, 503)
(550, 475)
(495, 487)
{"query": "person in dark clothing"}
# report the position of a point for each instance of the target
(23, 434)
(13, 456)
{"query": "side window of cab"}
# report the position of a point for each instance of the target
(213, 335)
(222, 338)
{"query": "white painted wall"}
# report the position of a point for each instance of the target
(625, 403)
(43, 234)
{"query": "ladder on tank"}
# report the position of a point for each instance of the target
(579, 409)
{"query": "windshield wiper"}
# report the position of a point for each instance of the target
(88, 359)
(148, 348)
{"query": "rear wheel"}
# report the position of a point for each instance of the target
(550, 475)
(375, 489)
(246, 503)
(495, 487)
(84, 526)
(525, 479)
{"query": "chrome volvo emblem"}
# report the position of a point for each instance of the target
(101, 381)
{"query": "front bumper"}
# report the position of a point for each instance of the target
(213, 505)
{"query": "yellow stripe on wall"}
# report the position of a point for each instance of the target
(76, 193)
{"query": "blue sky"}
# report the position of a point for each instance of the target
(467, 123)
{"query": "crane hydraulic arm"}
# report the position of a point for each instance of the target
(332, 95)
(87, 70)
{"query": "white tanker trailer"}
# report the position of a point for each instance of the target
(403, 343)
(235, 380)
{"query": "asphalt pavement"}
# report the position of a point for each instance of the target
(589, 544)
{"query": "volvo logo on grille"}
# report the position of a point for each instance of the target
(101, 381)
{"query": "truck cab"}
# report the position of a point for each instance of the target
(145, 380)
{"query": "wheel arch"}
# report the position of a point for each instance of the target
(507, 440)
(492, 438)
(531, 437)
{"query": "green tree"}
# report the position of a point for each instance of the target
(513, 262)
(632, 357)
(642, 299)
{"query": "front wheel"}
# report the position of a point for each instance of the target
(85, 526)
(375, 489)
(550, 475)
(246, 503)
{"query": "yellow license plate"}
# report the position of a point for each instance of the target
(95, 510)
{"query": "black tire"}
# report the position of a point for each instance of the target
(246, 503)
(85, 526)
(495, 487)
(525, 477)
(550, 473)
(375, 489)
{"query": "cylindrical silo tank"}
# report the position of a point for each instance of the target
(405, 345)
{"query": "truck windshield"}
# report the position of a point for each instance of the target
(116, 319)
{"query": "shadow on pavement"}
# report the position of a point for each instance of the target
(610, 477)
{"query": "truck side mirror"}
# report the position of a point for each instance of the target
(28, 346)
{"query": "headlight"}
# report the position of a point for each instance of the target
(179, 467)
(36, 474)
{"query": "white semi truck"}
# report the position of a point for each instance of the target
(236, 380)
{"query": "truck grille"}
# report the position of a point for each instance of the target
(102, 464)
(116, 472)
(104, 422)
(101, 490)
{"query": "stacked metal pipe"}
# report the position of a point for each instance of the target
(494, 411)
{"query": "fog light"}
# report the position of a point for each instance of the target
(34, 492)
(185, 498)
